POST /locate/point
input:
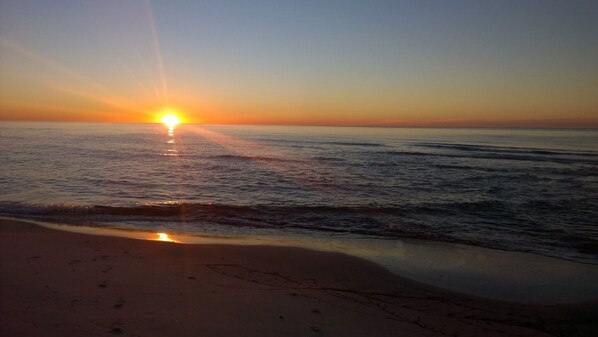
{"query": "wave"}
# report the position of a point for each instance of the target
(329, 159)
(487, 223)
(371, 220)
(180, 209)
(467, 167)
(254, 158)
(498, 155)
(321, 142)
(504, 149)
(365, 220)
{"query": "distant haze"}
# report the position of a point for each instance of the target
(404, 63)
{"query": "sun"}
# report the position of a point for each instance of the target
(171, 120)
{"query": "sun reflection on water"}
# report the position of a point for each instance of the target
(170, 153)
(171, 120)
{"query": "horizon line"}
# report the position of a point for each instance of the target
(592, 126)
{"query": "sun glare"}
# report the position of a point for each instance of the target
(171, 120)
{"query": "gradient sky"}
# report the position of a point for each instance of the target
(429, 63)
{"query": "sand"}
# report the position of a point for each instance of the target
(56, 283)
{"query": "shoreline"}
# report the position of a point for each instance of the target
(56, 283)
(518, 277)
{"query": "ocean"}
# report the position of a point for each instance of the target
(510, 189)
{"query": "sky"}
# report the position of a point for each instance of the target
(506, 63)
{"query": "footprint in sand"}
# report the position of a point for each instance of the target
(116, 331)
(119, 304)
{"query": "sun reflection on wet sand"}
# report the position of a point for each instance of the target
(164, 237)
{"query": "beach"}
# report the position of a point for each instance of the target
(57, 283)
(298, 168)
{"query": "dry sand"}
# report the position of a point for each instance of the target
(55, 283)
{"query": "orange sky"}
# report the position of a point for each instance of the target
(363, 65)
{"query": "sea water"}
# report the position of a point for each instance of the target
(510, 189)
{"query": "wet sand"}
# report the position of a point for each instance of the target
(56, 283)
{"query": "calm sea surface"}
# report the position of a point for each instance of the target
(521, 190)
